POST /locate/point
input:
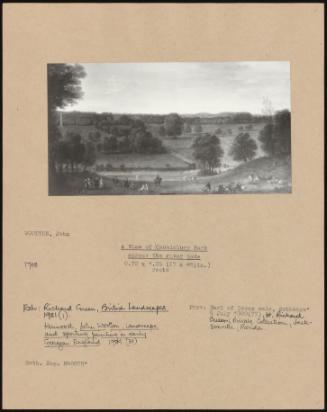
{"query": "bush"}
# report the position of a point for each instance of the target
(100, 167)
(124, 145)
(206, 172)
(144, 142)
(243, 148)
(110, 144)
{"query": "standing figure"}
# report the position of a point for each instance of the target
(157, 180)
(208, 186)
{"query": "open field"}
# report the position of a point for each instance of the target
(131, 173)
(272, 175)
(183, 144)
(179, 151)
(141, 161)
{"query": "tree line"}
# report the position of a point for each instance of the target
(275, 139)
(122, 126)
(125, 135)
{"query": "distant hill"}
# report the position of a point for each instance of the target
(207, 115)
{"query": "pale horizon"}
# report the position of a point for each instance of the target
(185, 88)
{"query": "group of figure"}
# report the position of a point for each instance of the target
(190, 179)
(145, 187)
(93, 183)
(141, 187)
(231, 188)
(224, 189)
(254, 178)
(124, 183)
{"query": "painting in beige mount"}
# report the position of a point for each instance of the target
(169, 128)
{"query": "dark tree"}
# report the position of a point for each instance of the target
(76, 149)
(187, 128)
(95, 136)
(64, 88)
(144, 142)
(125, 120)
(89, 154)
(114, 131)
(161, 131)
(243, 148)
(64, 85)
(138, 124)
(198, 128)
(173, 125)
(208, 151)
(62, 154)
(283, 132)
(267, 139)
(124, 145)
(73, 137)
(110, 144)
(109, 118)
(276, 135)
(103, 125)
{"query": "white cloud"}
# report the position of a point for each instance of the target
(185, 87)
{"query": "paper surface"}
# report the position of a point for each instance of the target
(262, 254)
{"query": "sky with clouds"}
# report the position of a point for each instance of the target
(184, 87)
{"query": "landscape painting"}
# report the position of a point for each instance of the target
(169, 128)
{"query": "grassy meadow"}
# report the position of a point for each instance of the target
(131, 173)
